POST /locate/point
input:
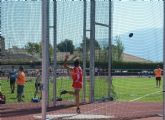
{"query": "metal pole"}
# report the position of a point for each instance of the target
(49, 59)
(163, 60)
(110, 51)
(49, 74)
(55, 53)
(84, 53)
(102, 24)
(1, 19)
(92, 49)
(45, 59)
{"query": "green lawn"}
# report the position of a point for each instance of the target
(140, 89)
(126, 89)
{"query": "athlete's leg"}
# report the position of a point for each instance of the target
(77, 97)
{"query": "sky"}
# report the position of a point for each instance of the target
(21, 23)
(137, 15)
(145, 20)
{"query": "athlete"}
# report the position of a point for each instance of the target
(76, 74)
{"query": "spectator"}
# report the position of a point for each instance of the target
(20, 83)
(12, 79)
(158, 73)
(38, 84)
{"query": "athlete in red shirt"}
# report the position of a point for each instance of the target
(76, 74)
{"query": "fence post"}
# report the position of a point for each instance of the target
(84, 53)
(55, 52)
(163, 59)
(92, 49)
(45, 57)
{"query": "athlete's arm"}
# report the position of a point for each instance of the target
(65, 63)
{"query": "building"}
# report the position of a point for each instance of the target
(14, 55)
(131, 58)
(2, 46)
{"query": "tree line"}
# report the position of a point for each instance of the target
(101, 53)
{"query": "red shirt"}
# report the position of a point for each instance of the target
(76, 74)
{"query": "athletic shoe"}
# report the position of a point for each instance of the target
(78, 110)
(63, 92)
(58, 99)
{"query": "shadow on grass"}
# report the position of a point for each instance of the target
(13, 98)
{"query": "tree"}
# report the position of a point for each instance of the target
(66, 46)
(51, 50)
(36, 48)
(117, 50)
(96, 44)
(33, 48)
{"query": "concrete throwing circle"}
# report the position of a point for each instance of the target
(74, 117)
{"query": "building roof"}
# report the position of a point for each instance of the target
(132, 58)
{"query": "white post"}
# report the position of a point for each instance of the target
(92, 50)
(45, 59)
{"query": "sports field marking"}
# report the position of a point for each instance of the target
(73, 117)
(97, 108)
(144, 96)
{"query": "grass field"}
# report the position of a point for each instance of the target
(126, 89)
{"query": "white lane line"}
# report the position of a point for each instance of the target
(144, 96)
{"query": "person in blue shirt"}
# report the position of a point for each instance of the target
(12, 78)
(38, 84)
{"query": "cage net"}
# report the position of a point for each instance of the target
(21, 32)
(136, 36)
(137, 48)
(20, 44)
(69, 42)
(137, 41)
(101, 49)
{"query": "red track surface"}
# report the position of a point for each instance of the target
(120, 110)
